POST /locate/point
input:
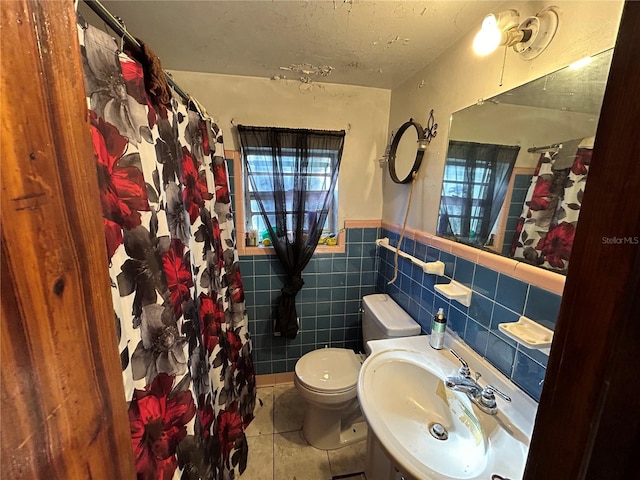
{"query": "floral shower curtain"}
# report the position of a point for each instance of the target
(177, 291)
(544, 234)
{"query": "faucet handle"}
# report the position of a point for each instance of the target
(464, 370)
(490, 389)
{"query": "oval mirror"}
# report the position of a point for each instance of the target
(404, 156)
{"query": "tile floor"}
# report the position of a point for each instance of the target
(277, 450)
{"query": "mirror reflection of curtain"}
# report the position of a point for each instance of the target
(475, 183)
(284, 167)
(545, 231)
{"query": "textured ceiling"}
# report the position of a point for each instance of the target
(357, 42)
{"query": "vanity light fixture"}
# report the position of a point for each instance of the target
(529, 38)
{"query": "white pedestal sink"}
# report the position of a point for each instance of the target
(426, 431)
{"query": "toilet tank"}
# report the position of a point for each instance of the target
(383, 318)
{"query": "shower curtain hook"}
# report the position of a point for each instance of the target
(122, 34)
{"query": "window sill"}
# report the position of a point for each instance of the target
(322, 249)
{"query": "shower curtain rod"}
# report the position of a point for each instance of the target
(115, 24)
(546, 147)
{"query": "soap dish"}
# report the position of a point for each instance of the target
(455, 291)
(528, 333)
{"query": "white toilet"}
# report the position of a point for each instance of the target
(326, 378)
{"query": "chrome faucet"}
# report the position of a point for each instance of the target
(484, 398)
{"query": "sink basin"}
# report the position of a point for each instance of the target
(430, 432)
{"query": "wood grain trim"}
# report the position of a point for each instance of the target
(238, 197)
(64, 412)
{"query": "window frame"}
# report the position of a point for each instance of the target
(478, 210)
(454, 199)
(238, 204)
(332, 216)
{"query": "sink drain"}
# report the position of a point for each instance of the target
(438, 431)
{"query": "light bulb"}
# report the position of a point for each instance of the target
(489, 36)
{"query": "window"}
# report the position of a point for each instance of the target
(473, 189)
(317, 179)
(459, 190)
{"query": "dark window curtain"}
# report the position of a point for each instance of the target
(475, 184)
(300, 213)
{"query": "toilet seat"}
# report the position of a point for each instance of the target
(328, 370)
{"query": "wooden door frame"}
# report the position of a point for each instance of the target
(64, 414)
(588, 421)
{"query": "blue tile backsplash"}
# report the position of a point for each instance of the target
(496, 298)
(328, 305)
(518, 195)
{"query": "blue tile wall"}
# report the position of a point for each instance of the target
(518, 194)
(328, 305)
(496, 298)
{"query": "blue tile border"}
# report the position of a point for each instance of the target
(528, 375)
(464, 272)
(501, 354)
(485, 281)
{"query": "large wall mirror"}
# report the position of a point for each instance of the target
(517, 165)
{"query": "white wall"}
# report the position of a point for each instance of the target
(362, 112)
(458, 78)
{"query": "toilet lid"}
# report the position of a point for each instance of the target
(328, 369)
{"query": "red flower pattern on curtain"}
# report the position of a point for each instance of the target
(545, 231)
(177, 270)
(229, 428)
(158, 419)
(122, 188)
(169, 231)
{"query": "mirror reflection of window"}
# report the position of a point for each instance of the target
(475, 184)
